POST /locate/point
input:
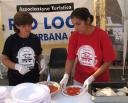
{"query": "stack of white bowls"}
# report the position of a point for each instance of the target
(3, 94)
(30, 93)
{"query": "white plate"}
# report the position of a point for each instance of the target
(29, 92)
(82, 90)
(3, 92)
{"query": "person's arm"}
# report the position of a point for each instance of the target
(7, 62)
(69, 66)
(108, 56)
(72, 45)
(39, 57)
(101, 70)
(70, 58)
(42, 63)
(14, 66)
(97, 74)
(6, 53)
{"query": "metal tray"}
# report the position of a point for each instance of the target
(109, 99)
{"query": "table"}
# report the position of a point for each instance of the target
(59, 98)
(85, 98)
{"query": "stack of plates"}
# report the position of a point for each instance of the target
(31, 93)
(3, 94)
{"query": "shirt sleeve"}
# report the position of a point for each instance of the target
(72, 45)
(109, 53)
(39, 49)
(7, 47)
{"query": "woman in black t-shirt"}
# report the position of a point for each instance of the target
(21, 51)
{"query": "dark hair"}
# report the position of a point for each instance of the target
(82, 13)
(22, 18)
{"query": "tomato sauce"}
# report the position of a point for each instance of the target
(73, 91)
(52, 88)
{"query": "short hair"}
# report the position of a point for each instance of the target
(22, 18)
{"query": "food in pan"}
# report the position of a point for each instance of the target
(121, 94)
(106, 92)
(110, 92)
(124, 90)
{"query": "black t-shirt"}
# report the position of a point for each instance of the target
(23, 51)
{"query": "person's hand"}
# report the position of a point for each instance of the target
(42, 65)
(64, 80)
(88, 81)
(21, 69)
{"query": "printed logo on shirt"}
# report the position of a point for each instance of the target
(86, 56)
(26, 57)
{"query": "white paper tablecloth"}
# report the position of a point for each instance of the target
(59, 98)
